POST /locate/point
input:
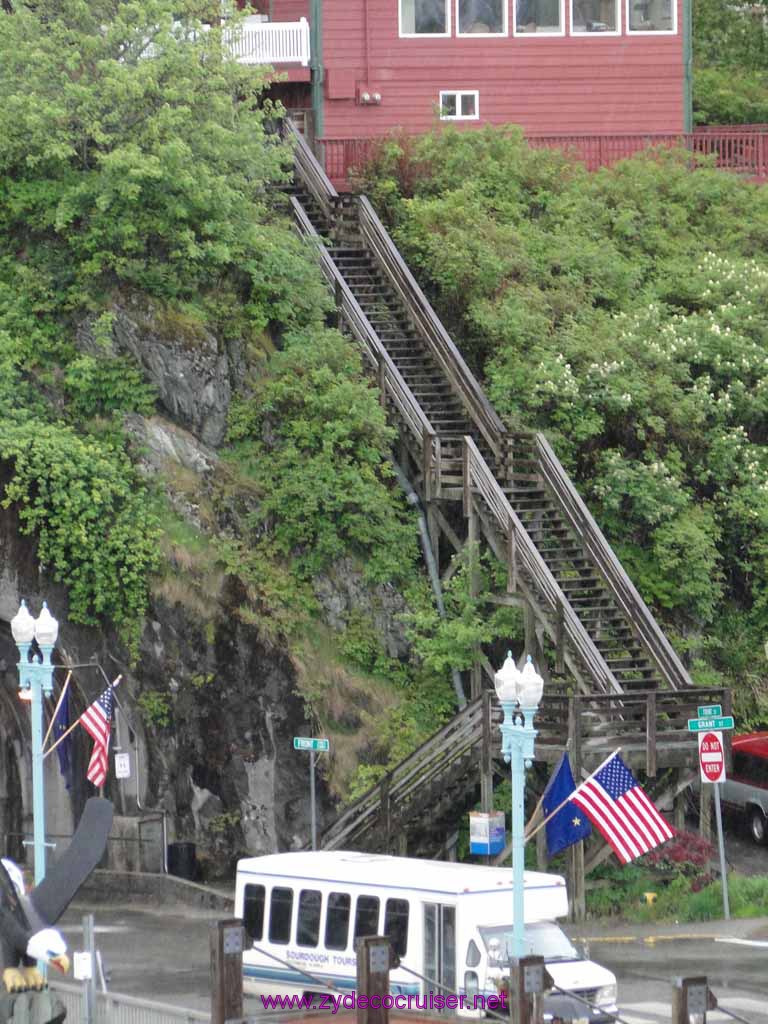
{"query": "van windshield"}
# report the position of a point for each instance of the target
(544, 939)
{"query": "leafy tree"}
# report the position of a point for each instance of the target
(315, 441)
(135, 152)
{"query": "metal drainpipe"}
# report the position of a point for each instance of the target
(688, 64)
(316, 64)
(434, 576)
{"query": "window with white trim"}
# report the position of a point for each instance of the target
(424, 18)
(542, 17)
(599, 16)
(481, 17)
(651, 16)
(459, 106)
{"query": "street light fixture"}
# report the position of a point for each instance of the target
(519, 694)
(36, 680)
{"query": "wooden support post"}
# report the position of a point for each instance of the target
(382, 376)
(433, 528)
(475, 679)
(338, 303)
(650, 735)
(531, 640)
(559, 640)
(385, 811)
(678, 810)
(691, 997)
(374, 956)
(541, 849)
(727, 703)
(486, 758)
(705, 811)
(577, 897)
(226, 938)
(466, 486)
(574, 735)
(511, 558)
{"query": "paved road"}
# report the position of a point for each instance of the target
(162, 954)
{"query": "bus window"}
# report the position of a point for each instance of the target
(337, 920)
(396, 924)
(308, 923)
(253, 912)
(280, 910)
(366, 916)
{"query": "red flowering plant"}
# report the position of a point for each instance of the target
(686, 854)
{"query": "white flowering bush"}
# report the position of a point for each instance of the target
(625, 313)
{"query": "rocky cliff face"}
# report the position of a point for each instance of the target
(209, 708)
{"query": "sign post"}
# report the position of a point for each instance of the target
(311, 744)
(708, 726)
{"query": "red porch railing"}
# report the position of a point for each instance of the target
(742, 149)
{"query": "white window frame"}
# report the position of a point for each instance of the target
(458, 93)
(597, 35)
(653, 32)
(541, 35)
(424, 35)
(485, 35)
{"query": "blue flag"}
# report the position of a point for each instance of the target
(570, 824)
(64, 749)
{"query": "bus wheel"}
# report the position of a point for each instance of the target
(757, 826)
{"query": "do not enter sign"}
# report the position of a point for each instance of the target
(711, 757)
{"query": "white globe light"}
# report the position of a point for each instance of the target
(531, 685)
(46, 627)
(23, 625)
(507, 680)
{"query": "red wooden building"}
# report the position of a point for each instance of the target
(553, 66)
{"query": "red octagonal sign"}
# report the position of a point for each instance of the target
(711, 757)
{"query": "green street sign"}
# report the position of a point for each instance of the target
(307, 743)
(704, 724)
(710, 710)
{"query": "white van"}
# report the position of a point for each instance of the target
(450, 923)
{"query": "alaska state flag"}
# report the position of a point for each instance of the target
(64, 749)
(570, 824)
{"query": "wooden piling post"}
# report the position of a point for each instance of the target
(526, 997)
(374, 957)
(226, 970)
(691, 997)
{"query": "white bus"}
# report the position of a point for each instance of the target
(450, 923)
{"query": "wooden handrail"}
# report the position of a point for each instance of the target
(389, 377)
(437, 748)
(482, 479)
(458, 374)
(312, 175)
(611, 569)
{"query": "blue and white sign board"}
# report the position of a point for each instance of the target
(487, 833)
(309, 743)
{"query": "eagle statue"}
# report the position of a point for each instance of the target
(27, 919)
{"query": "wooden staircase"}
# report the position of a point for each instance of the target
(512, 490)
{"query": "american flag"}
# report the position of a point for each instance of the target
(620, 810)
(97, 721)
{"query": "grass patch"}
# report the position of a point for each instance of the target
(347, 705)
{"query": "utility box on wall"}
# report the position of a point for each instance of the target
(487, 833)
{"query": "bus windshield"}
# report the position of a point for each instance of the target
(544, 939)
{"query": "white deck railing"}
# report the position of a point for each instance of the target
(271, 42)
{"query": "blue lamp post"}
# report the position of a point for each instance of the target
(35, 680)
(519, 694)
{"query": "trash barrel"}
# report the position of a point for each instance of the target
(182, 860)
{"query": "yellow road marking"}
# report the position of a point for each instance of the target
(649, 939)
